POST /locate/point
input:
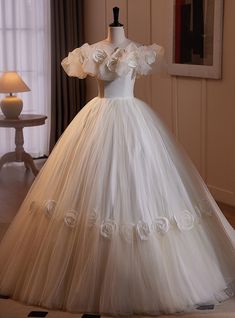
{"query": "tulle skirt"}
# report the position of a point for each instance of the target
(119, 222)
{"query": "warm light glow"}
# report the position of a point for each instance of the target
(11, 82)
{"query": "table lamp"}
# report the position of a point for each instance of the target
(11, 105)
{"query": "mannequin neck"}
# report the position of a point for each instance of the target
(116, 35)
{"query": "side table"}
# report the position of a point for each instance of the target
(20, 155)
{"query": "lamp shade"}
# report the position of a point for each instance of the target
(11, 82)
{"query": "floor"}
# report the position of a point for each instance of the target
(14, 184)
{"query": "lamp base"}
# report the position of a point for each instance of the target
(11, 106)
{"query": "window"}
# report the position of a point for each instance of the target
(25, 48)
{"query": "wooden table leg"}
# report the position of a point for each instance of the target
(19, 142)
(19, 155)
(29, 163)
(8, 157)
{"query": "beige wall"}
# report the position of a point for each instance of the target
(200, 112)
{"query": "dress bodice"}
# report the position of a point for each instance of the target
(115, 68)
(121, 86)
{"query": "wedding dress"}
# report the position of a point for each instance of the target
(118, 221)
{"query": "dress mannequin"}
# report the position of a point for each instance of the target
(116, 35)
(116, 32)
(116, 39)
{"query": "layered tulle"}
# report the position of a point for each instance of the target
(118, 221)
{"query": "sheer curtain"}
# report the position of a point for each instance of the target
(25, 47)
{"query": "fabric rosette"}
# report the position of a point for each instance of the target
(108, 229)
(161, 225)
(146, 57)
(99, 55)
(143, 230)
(185, 220)
(70, 218)
(114, 59)
(49, 207)
(132, 60)
(150, 57)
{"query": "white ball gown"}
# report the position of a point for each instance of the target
(118, 221)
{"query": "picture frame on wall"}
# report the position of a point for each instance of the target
(195, 38)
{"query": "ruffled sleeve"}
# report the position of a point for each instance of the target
(143, 58)
(83, 61)
(73, 64)
(160, 64)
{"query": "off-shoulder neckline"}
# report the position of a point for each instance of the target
(102, 44)
(104, 61)
(113, 45)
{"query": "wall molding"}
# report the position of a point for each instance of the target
(203, 134)
(222, 195)
(175, 108)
